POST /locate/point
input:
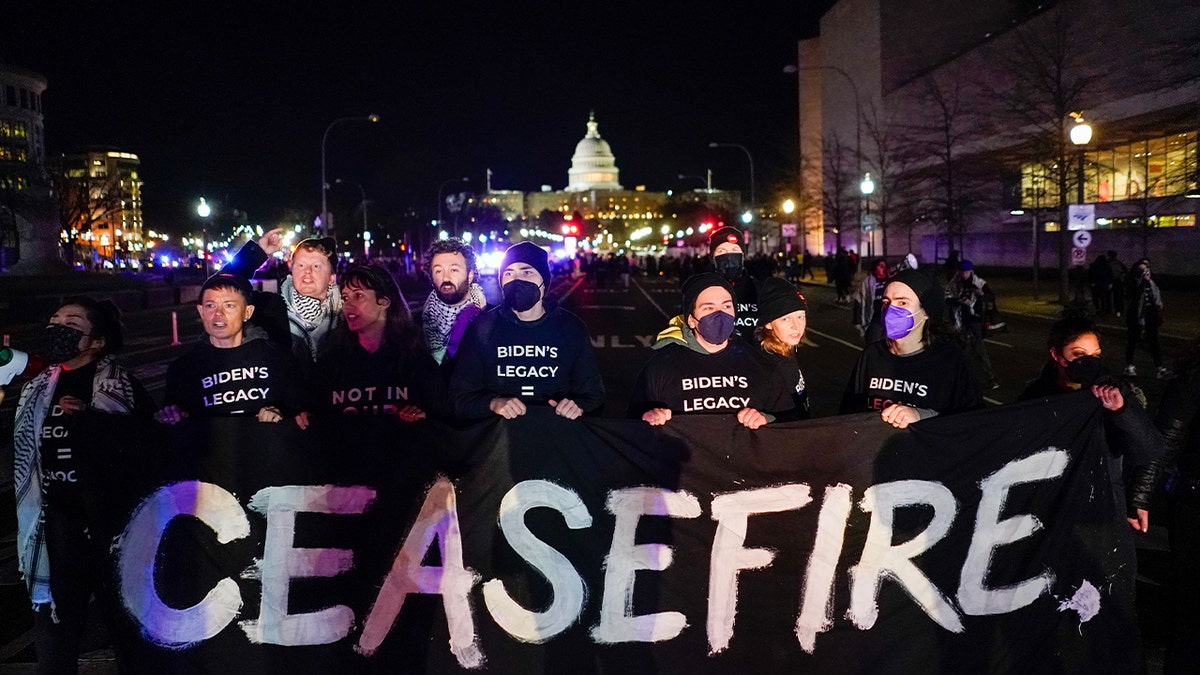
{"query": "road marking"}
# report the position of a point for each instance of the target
(997, 342)
(835, 339)
(992, 401)
(656, 305)
(627, 308)
(575, 285)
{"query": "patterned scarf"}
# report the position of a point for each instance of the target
(437, 318)
(310, 309)
(112, 392)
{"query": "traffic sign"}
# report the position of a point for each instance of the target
(789, 229)
(1081, 217)
(869, 222)
(1078, 256)
(1081, 238)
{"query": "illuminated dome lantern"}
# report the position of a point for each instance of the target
(593, 166)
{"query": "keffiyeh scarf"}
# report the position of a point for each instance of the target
(438, 318)
(112, 392)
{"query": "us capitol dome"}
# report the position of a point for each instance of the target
(593, 166)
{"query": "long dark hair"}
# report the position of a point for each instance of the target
(399, 327)
(105, 318)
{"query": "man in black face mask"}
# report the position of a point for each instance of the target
(725, 247)
(700, 366)
(521, 354)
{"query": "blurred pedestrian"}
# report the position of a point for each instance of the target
(1143, 317)
(968, 292)
(867, 307)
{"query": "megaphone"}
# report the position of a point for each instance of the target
(908, 262)
(15, 363)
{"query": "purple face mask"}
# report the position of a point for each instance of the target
(897, 322)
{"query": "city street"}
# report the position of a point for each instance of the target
(623, 323)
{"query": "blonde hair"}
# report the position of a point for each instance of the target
(771, 342)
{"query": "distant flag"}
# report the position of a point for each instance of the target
(489, 180)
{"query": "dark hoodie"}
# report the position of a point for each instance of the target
(685, 378)
(210, 381)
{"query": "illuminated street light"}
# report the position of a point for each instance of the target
(203, 209)
(867, 185)
(789, 206)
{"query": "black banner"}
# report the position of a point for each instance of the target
(979, 542)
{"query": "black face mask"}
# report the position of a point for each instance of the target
(60, 343)
(729, 265)
(1084, 370)
(521, 295)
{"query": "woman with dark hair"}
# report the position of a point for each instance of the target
(782, 320)
(69, 427)
(376, 363)
(910, 376)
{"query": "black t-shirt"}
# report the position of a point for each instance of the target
(352, 381)
(745, 289)
(937, 378)
(686, 381)
(65, 450)
(210, 381)
(537, 361)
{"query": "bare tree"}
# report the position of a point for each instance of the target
(951, 184)
(890, 157)
(838, 173)
(84, 201)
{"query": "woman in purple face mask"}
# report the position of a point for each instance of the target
(909, 375)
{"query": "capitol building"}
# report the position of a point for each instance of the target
(594, 191)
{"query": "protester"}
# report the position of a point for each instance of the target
(310, 294)
(782, 320)
(1133, 444)
(1180, 425)
(234, 369)
(1074, 349)
(455, 301)
(868, 303)
(375, 363)
(911, 375)
(521, 353)
(725, 248)
(1143, 316)
(70, 422)
(842, 273)
(968, 292)
(700, 366)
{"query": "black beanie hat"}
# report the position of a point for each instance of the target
(928, 291)
(722, 235)
(776, 298)
(696, 284)
(531, 254)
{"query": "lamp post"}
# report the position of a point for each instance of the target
(748, 158)
(867, 188)
(204, 211)
(1081, 135)
(366, 233)
(789, 207)
(707, 183)
(325, 137)
(446, 182)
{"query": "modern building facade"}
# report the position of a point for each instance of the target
(962, 114)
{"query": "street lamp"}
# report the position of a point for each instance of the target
(867, 188)
(366, 234)
(748, 158)
(707, 183)
(204, 210)
(325, 137)
(446, 182)
(1081, 135)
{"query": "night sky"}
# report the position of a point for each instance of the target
(231, 102)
